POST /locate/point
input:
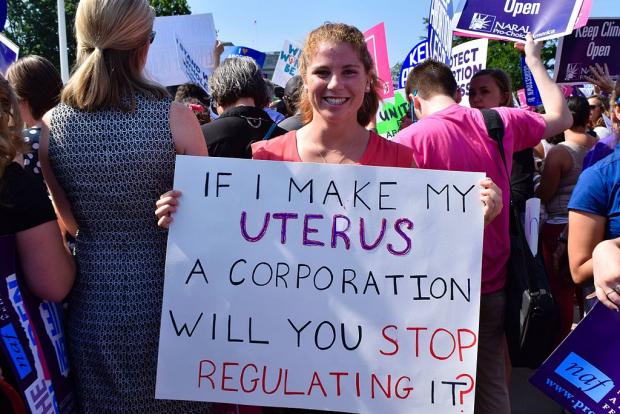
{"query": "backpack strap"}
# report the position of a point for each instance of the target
(495, 129)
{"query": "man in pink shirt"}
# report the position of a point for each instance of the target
(453, 137)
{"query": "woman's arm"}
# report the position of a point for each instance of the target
(606, 265)
(59, 198)
(557, 163)
(186, 132)
(585, 231)
(47, 264)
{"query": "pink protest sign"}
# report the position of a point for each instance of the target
(584, 14)
(377, 46)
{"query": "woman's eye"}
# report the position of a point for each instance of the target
(321, 73)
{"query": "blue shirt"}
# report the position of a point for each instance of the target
(598, 192)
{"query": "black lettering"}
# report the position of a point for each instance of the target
(197, 270)
(382, 196)
(445, 188)
(357, 197)
(292, 184)
(329, 192)
(218, 185)
(184, 327)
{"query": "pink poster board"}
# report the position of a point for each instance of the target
(377, 46)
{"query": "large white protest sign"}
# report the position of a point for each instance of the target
(191, 67)
(288, 63)
(196, 31)
(346, 288)
(468, 59)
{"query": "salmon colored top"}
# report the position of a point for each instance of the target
(380, 152)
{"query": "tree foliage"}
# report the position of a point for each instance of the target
(33, 25)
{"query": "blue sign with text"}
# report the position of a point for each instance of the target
(418, 54)
(259, 57)
(532, 95)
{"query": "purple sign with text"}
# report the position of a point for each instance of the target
(596, 42)
(532, 95)
(513, 19)
(583, 373)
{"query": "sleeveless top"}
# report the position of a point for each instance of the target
(557, 207)
(113, 166)
(380, 152)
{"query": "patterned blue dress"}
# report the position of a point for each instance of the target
(113, 166)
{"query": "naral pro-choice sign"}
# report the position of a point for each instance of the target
(596, 42)
(513, 19)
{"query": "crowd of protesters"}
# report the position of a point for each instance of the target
(103, 147)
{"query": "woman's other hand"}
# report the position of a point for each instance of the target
(165, 207)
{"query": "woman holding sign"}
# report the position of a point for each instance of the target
(107, 151)
(339, 99)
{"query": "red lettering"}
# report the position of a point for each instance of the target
(286, 391)
(264, 382)
(357, 384)
(433, 347)
(201, 375)
(316, 381)
(338, 375)
(374, 380)
(407, 390)
(461, 346)
(225, 377)
(254, 381)
(390, 340)
(417, 338)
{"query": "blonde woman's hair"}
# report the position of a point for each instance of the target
(11, 142)
(112, 36)
(336, 33)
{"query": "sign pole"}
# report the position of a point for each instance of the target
(62, 41)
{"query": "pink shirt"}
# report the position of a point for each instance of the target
(456, 139)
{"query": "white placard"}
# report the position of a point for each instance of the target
(288, 63)
(468, 59)
(197, 31)
(282, 289)
(532, 223)
(191, 67)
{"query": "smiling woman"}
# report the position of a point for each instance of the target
(339, 99)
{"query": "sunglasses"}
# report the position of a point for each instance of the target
(152, 36)
(593, 107)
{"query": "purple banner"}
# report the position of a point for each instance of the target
(583, 373)
(532, 95)
(33, 340)
(596, 42)
(513, 19)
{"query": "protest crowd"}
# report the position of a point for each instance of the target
(87, 200)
